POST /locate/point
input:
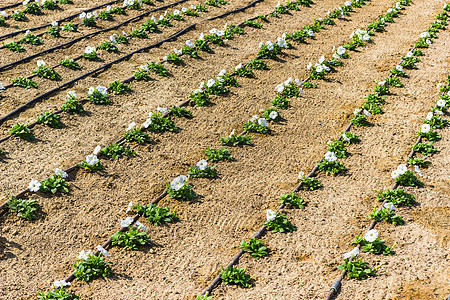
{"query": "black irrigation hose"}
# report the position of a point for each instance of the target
(88, 35)
(59, 21)
(11, 6)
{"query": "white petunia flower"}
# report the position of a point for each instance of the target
(190, 44)
(34, 186)
(83, 255)
(319, 68)
(428, 41)
(60, 283)
(132, 124)
(395, 174)
(238, 67)
(147, 123)
(301, 175)
(273, 115)
(254, 118)
(345, 138)
(409, 54)
(213, 31)
(367, 113)
(347, 3)
(231, 134)
(425, 128)
(399, 68)
(429, 115)
(310, 33)
(321, 59)
(262, 122)
(357, 111)
(425, 35)
(279, 88)
(102, 89)
(130, 206)
(389, 205)
(297, 81)
(271, 215)
(309, 66)
(108, 8)
(141, 226)
(340, 50)
(54, 24)
(162, 110)
(91, 160)
(417, 170)
(59, 172)
(40, 63)
(402, 169)
(371, 235)
(330, 156)
(202, 164)
(184, 9)
(438, 112)
(143, 68)
(382, 82)
(352, 253)
(441, 103)
(1, 86)
(89, 49)
(97, 149)
(102, 250)
(127, 222)
(178, 182)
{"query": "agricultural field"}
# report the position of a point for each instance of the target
(224, 149)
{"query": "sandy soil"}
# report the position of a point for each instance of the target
(187, 255)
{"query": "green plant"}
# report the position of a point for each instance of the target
(105, 15)
(2, 21)
(357, 269)
(158, 68)
(136, 135)
(174, 59)
(91, 268)
(350, 138)
(117, 10)
(89, 22)
(141, 75)
(183, 193)
(431, 136)
(236, 140)
(256, 127)
(130, 239)
(24, 82)
(234, 275)
(425, 149)
(437, 122)
(269, 51)
(255, 247)
(198, 98)
(54, 184)
(190, 12)
(360, 120)
(139, 33)
(97, 96)
(254, 24)
(72, 105)
(58, 294)
(331, 167)
(311, 183)
(219, 154)
(409, 62)
(420, 162)
(92, 166)
(15, 47)
(70, 63)
(245, 72)
(338, 148)
(25, 209)
(375, 247)
(108, 46)
(293, 200)
(161, 124)
(204, 297)
(156, 215)
(164, 23)
(408, 179)
(119, 87)
(180, 112)
(202, 45)
(47, 72)
(208, 172)
(397, 197)
(280, 224)
(309, 85)
(394, 81)
(33, 8)
(116, 151)
(50, 119)
(257, 64)
(120, 39)
(281, 102)
(18, 16)
(49, 4)
(386, 214)
(381, 89)
(22, 131)
(70, 27)
(31, 39)
(54, 31)
(92, 55)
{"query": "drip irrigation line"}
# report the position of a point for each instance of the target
(11, 6)
(88, 35)
(59, 21)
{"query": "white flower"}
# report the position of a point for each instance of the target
(84, 254)
(220, 33)
(357, 111)
(210, 83)
(3, 13)
(395, 174)
(127, 222)
(222, 72)
(329, 142)
(254, 118)
(82, 15)
(91, 160)
(425, 128)
(103, 90)
(54, 24)
(402, 169)
(367, 113)
(190, 44)
(330, 156)
(365, 37)
(178, 182)
(441, 103)
(371, 235)
(262, 122)
(193, 6)
(231, 134)
(389, 205)
(429, 115)
(238, 67)
(89, 49)
(144, 68)
(382, 82)
(184, 9)
(347, 3)
(409, 54)
(60, 283)
(352, 253)
(108, 8)
(88, 15)
(310, 33)
(112, 38)
(213, 31)
(40, 63)
(319, 68)
(165, 58)
(102, 250)
(425, 35)
(288, 81)
(345, 138)
(389, 10)
(94, 14)
(130, 205)
(271, 215)
(59, 172)
(97, 149)
(202, 36)
(297, 81)
(202, 164)
(273, 115)
(2, 87)
(91, 90)
(34, 186)
(340, 50)
(141, 226)
(321, 59)
(428, 41)
(147, 123)
(279, 88)
(162, 110)
(176, 12)
(301, 175)
(269, 46)
(132, 124)
(399, 68)
(309, 66)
